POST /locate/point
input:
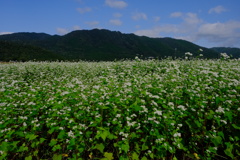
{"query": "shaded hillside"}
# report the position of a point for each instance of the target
(234, 52)
(25, 37)
(21, 52)
(108, 45)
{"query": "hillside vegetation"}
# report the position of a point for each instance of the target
(99, 45)
(233, 52)
(11, 51)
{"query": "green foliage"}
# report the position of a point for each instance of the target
(12, 51)
(233, 52)
(94, 45)
(128, 110)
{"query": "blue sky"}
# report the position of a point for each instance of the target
(208, 23)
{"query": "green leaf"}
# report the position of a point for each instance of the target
(216, 140)
(144, 146)
(42, 140)
(235, 126)
(35, 153)
(31, 137)
(4, 146)
(22, 148)
(228, 151)
(229, 116)
(19, 133)
(123, 158)
(133, 135)
(221, 134)
(109, 156)
(61, 135)
(56, 147)
(144, 158)
(151, 155)
(135, 156)
(100, 147)
(111, 136)
(14, 144)
(51, 130)
(53, 142)
(125, 147)
(197, 123)
(175, 158)
(210, 114)
(28, 158)
(57, 157)
(72, 142)
(104, 134)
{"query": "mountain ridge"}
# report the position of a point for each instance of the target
(105, 45)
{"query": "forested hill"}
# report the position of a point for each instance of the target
(234, 52)
(12, 51)
(94, 45)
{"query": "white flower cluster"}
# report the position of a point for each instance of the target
(159, 140)
(158, 112)
(188, 54)
(182, 107)
(71, 134)
(220, 110)
(144, 109)
(223, 121)
(177, 135)
(125, 135)
(224, 55)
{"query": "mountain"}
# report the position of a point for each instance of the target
(234, 52)
(103, 45)
(12, 51)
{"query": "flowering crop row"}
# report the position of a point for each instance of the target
(120, 110)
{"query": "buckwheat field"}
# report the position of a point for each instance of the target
(127, 110)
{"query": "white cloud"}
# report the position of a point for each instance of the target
(3, 33)
(192, 18)
(62, 31)
(115, 22)
(188, 18)
(225, 34)
(156, 19)
(116, 4)
(84, 10)
(185, 30)
(76, 27)
(187, 38)
(156, 31)
(117, 15)
(139, 15)
(92, 23)
(148, 32)
(176, 14)
(194, 29)
(217, 9)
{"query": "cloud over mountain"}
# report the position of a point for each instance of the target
(224, 34)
